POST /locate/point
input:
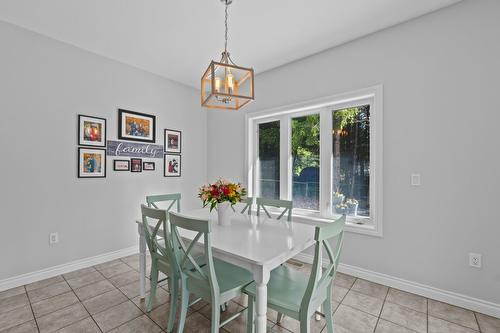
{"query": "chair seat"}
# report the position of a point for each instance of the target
(230, 277)
(285, 288)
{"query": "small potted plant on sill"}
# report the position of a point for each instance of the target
(338, 198)
(221, 195)
(352, 206)
(341, 208)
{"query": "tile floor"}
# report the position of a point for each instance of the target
(105, 298)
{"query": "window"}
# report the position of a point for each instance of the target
(305, 162)
(325, 155)
(269, 160)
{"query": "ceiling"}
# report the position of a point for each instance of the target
(178, 38)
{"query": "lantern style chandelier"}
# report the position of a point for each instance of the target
(224, 84)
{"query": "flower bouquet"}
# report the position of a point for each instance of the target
(221, 195)
(352, 206)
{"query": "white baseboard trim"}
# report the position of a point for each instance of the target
(467, 302)
(46, 273)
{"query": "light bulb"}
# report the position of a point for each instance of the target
(230, 82)
(217, 84)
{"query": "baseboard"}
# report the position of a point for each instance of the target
(46, 273)
(467, 302)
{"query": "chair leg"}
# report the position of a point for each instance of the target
(305, 325)
(154, 284)
(327, 310)
(279, 318)
(250, 315)
(184, 307)
(215, 316)
(173, 286)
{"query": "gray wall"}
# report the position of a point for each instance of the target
(441, 76)
(44, 84)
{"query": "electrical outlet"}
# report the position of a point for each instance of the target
(53, 238)
(475, 260)
(415, 179)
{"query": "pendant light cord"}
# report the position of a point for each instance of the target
(225, 41)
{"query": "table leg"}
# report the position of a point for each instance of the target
(261, 277)
(142, 263)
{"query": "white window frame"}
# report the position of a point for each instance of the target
(324, 106)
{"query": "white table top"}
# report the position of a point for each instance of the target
(257, 240)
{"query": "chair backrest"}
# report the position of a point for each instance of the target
(248, 201)
(158, 238)
(286, 204)
(320, 278)
(204, 279)
(173, 198)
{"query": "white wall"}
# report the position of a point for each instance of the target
(441, 84)
(44, 84)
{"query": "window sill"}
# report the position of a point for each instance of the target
(358, 225)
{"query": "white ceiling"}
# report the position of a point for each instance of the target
(178, 38)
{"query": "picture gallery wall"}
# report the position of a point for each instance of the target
(136, 149)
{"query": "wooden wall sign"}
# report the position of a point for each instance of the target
(132, 149)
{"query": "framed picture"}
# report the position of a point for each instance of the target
(136, 126)
(172, 141)
(91, 163)
(121, 165)
(136, 165)
(148, 166)
(91, 131)
(172, 165)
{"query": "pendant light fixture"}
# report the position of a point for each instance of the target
(224, 84)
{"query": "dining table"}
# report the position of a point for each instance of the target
(256, 243)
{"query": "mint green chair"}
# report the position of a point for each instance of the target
(262, 203)
(217, 282)
(293, 293)
(173, 198)
(163, 258)
(247, 205)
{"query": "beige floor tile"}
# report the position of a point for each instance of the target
(453, 314)
(117, 315)
(160, 314)
(241, 300)
(48, 291)
(16, 317)
(94, 289)
(54, 303)
(14, 302)
(161, 297)
(354, 320)
(124, 279)
(119, 268)
(44, 283)
(78, 273)
(238, 325)
(28, 327)
(344, 280)
(197, 323)
(131, 290)
(12, 292)
(293, 325)
(437, 325)
(412, 301)
(384, 326)
(370, 288)
(61, 318)
(488, 324)
(107, 264)
(141, 324)
(338, 293)
(83, 326)
(84, 280)
(104, 301)
(363, 302)
(405, 317)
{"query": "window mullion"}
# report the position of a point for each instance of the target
(326, 172)
(285, 159)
